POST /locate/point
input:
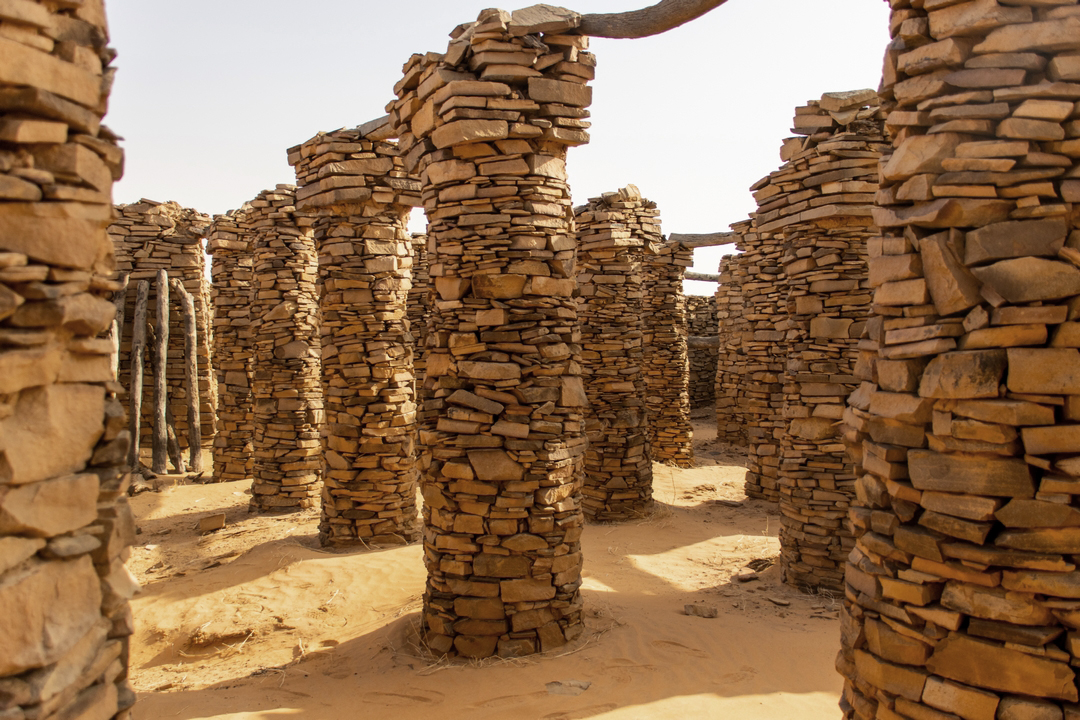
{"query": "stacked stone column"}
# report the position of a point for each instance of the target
(354, 184)
(486, 126)
(666, 363)
(961, 595)
(418, 304)
(730, 418)
(288, 399)
(230, 240)
(612, 232)
(823, 213)
(65, 525)
(149, 236)
(701, 315)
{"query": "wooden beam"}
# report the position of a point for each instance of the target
(702, 277)
(135, 386)
(191, 374)
(161, 362)
(703, 341)
(709, 240)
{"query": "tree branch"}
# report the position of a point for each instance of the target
(653, 20)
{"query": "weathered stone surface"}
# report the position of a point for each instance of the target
(991, 666)
(1015, 239)
(49, 508)
(1044, 371)
(964, 375)
(970, 474)
(50, 606)
(1030, 279)
(53, 432)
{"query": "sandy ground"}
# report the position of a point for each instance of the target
(256, 621)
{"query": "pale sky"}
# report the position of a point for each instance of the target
(210, 94)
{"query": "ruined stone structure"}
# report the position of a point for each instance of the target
(822, 200)
(701, 321)
(961, 596)
(354, 185)
(288, 398)
(149, 236)
(666, 361)
(230, 240)
(731, 322)
(485, 126)
(613, 232)
(65, 524)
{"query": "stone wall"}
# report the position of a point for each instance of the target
(485, 126)
(65, 524)
(666, 362)
(148, 236)
(701, 314)
(730, 365)
(230, 240)
(286, 386)
(832, 174)
(354, 185)
(612, 234)
(961, 591)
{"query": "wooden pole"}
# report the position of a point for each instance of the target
(191, 367)
(161, 361)
(702, 277)
(135, 387)
(703, 341)
(709, 240)
(120, 303)
(175, 455)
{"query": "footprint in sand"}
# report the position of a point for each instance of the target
(745, 673)
(621, 670)
(678, 648)
(504, 700)
(401, 700)
(584, 712)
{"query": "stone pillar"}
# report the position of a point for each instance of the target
(502, 419)
(612, 232)
(834, 171)
(353, 183)
(230, 240)
(65, 525)
(961, 594)
(418, 305)
(285, 377)
(730, 362)
(701, 316)
(149, 236)
(666, 362)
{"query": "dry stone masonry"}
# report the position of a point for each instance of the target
(230, 240)
(418, 304)
(288, 398)
(701, 314)
(613, 232)
(730, 362)
(485, 126)
(354, 185)
(65, 524)
(762, 351)
(821, 201)
(666, 360)
(149, 236)
(961, 594)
